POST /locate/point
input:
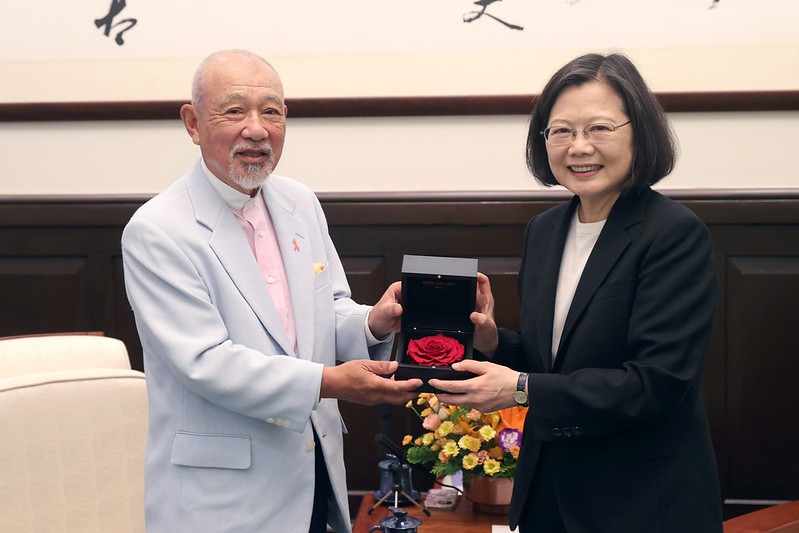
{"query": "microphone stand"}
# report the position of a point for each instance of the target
(396, 489)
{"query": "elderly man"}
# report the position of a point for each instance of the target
(243, 308)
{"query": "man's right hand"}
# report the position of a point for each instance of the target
(363, 382)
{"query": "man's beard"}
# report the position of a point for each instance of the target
(250, 176)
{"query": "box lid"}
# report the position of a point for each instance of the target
(438, 293)
(431, 264)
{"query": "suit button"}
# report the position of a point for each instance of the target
(309, 446)
(577, 431)
(567, 432)
(556, 432)
(285, 423)
(270, 420)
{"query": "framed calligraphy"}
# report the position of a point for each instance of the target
(129, 59)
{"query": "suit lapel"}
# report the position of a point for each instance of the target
(292, 237)
(230, 246)
(612, 242)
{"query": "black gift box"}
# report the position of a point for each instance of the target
(438, 295)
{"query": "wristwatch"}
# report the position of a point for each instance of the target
(520, 396)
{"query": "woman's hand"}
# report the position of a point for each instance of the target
(491, 390)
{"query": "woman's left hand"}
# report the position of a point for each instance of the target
(492, 389)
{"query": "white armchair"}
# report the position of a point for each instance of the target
(49, 353)
(73, 425)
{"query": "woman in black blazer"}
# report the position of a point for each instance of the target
(618, 290)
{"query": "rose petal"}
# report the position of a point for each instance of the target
(435, 350)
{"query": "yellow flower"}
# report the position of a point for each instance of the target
(409, 404)
(491, 466)
(443, 457)
(487, 433)
(492, 419)
(426, 411)
(470, 461)
(514, 451)
(450, 448)
(407, 440)
(427, 439)
(445, 428)
(469, 443)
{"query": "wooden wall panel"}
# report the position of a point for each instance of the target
(366, 276)
(503, 274)
(60, 269)
(762, 369)
(45, 290)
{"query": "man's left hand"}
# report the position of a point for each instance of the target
(386, 315)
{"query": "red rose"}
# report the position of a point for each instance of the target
(435, 350)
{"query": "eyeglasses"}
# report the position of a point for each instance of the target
(593, 133)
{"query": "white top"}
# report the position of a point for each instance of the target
(580, 242)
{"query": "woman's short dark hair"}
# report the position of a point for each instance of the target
(654, 144)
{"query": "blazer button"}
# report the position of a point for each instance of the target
(577, 431)
(557, 433)
(567, 432)
(310, 445)
(270, 420)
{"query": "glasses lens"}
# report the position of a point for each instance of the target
(559, 135)
(599, 133)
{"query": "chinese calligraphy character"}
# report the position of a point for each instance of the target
(107, 21)
(471, 16)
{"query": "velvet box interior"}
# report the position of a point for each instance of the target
(438, 295)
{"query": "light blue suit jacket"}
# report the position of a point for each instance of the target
(230, 444)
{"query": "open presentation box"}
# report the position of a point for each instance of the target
(438, 295)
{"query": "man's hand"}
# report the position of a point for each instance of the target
(387, 312)
(491, 390)
(362, 381)
(486, 338)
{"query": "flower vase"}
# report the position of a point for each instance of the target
(489, 495)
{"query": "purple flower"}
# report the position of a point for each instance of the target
(508, 438)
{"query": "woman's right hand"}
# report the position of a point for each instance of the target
(485, 328)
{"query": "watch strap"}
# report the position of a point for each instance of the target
(520, 396)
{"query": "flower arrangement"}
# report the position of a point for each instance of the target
(463, 439)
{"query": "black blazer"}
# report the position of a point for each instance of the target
(619, 421)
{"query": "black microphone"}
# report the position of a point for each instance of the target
(389, 445)
(400, 454)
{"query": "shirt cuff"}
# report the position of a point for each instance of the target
(371, 340)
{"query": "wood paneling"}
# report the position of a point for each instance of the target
(401, 106)
(61, 270)
(762, 364)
